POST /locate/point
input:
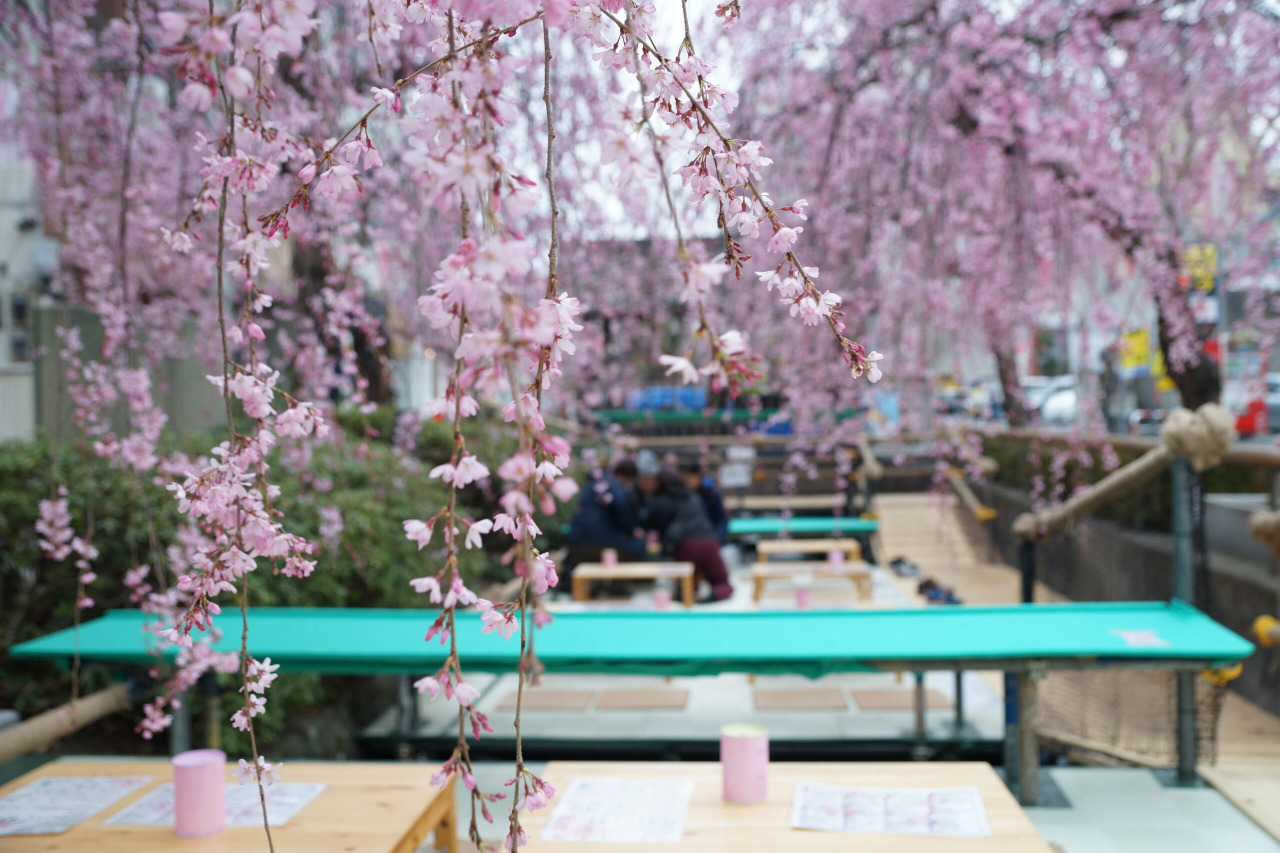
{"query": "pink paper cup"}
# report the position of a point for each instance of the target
(199, 792)
(803, 598)
(744, 763)
(835, 559)
(609, 557)
(661, 599)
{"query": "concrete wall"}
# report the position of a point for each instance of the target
(25, 253)
(17, 402)
(182, 391)
(1101, 561)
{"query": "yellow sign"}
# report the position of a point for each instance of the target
(1202, 265)
(1163, 382)
(1135, 350)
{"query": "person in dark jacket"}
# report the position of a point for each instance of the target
(605, 517)
(685, 531)
(704, 486)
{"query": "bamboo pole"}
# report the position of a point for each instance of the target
(37, 733)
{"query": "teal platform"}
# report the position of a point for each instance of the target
(1023, 640)
(812, 643)
(802, 525)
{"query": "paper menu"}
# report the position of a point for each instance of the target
(953, 812)
(284, 801)
(620, 811)
(55, 804)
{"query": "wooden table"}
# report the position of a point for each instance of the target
(585, 573)
(366, 807)
(711, 824)
(851, 548)
(859, 573)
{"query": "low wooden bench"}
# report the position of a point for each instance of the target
(585, 573)
(764, 503)
(858, 572)
(851, 548)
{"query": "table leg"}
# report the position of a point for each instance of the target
(920, 731)
(1028, 743)
(686, 584)
(759, 588)
(1187, 746)
(439, 820)
(180, 728)
(406, 706)
(1011, 732)
(580, 588)
(449, 823)
(959, 705)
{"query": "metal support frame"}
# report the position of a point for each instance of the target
(959, 703)
(1184, 590)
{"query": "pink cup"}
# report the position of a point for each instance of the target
(661, 599)
(199, 792)
(609, 557)
(744, 763)
(803, 599)
(835, 559)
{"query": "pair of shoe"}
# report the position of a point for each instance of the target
(904, 569)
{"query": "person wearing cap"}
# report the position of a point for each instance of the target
(676, 514)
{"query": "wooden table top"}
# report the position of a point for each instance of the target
(806, 546)
(633, 571)
(711, 824)
(366, 807)
(816, 568)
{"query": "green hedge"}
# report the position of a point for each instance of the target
(368, 566)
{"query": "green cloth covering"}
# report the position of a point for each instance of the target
(818, 525)
(678, 642)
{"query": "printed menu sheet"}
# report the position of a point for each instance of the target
(284, 801)
(621, 811)
(57, 803)
(954, 812)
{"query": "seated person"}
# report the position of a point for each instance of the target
(704, 486)
(684, 530)
(605, 518)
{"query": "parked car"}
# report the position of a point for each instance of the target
(1060, 408)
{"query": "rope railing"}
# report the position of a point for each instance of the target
(1202, 437)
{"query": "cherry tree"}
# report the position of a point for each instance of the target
(976, 166)
(222, 176)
